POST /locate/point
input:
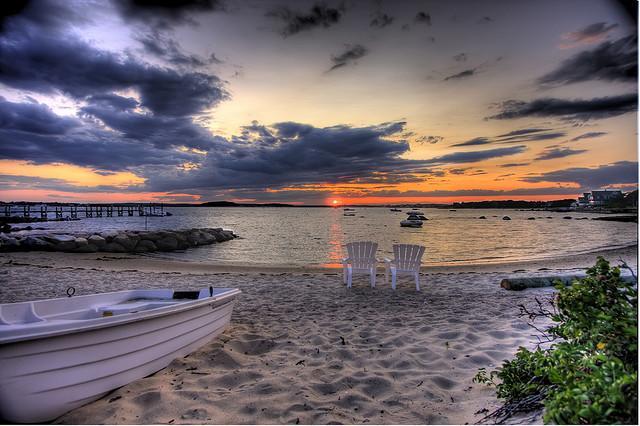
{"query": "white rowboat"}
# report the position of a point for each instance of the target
(59, 354)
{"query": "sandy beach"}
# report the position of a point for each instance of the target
(301, 348)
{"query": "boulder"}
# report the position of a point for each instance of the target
(35, 243)
(567, 217)
(61, 242)
(56, 239)
(97, 241)
(126, 241)
(88, 248)
(167, 243)
(482, 217)
(144, 246)
(9, 243)
(531, 218)
(183, 243)
(151, 236)
(114, 248)
(65, 246)
(81, 242)
(506, 218)
(109, 235)
(225, 236)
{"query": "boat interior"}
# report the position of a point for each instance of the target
(97, 305)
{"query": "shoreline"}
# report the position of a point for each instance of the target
(142, 263)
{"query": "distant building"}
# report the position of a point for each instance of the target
(584, 200)
(602, 198)
(599, 198)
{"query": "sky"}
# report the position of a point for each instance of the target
(309, 102)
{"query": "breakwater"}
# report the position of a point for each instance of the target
(115, 241)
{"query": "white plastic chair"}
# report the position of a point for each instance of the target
(408, 258)
(362, 259)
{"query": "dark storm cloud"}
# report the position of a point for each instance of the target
(531, 137)
(423, 18)
(475, 156)
(35, 61)
(320, 15)
(462, 74)
(516, 136)
(474, 142)
(300, 154)
(458, 171)
(95, 148)
(553, 153)
(381, 20)
(521, 132)
(610, 61)
(591, 33)
(34, 133)
(296, 153)
(112, 101)
(621, 172)
(164, 47)
(349, 56)
(160, 131)
(588, 135)
(164, 13)
(576, 109)
(46, 14)
(429, 139)
(33, 118)
(514, 165)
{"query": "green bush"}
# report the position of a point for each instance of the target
(589, 374)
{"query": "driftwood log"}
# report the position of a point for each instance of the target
(517, 284)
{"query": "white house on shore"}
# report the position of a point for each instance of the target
(599, 198)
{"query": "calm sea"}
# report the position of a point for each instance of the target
(316, 236)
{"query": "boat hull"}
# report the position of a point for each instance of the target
(44, 378)
(411, 224)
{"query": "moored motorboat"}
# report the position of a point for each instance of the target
(411, 222)
(59, 354)
(395, 210)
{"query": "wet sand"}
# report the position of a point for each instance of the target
(301, 348)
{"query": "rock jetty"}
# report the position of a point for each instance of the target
(115, 241)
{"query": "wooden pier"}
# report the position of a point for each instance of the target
(71, 211)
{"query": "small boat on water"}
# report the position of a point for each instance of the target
(411, 222)
(349, 210)
(59, 354)
(416, 212)
(395, 210)
(348, 214)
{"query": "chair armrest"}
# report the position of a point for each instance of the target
(346, 260)
(387, 260)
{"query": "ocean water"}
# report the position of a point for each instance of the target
(316, 236)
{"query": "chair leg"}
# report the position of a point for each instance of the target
(417, 281)
(344, 275)
(386, 274)
(373, 278)
(349, 277)
(393, 279)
